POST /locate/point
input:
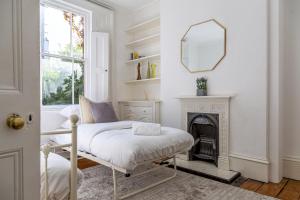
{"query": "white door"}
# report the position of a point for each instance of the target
(19, 93)
(100, 67)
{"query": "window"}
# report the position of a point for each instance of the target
(62, 56)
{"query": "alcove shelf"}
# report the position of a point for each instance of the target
(144, 40)
(155, 56)
(142, 80)
(144, 25)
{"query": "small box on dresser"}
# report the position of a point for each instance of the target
(144, 111)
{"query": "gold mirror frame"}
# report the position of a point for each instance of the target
(225, 45)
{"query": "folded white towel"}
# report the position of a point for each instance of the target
(147, 129)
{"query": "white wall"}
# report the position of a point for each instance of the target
(120, 72)
(243, 72)
(290, 90)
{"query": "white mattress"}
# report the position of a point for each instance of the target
(58, 177)
(115, 143)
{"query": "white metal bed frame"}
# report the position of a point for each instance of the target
(73, 150)
(126, 172)
(46, 149)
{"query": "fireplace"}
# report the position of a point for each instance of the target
(205, 130)
(207, 120)
(216, 110)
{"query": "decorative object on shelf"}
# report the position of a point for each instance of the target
(131, 56)
(153, 70)
(139, 77)
(149, 71)
(135, 55)
(201, 86)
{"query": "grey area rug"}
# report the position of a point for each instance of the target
(98, 185)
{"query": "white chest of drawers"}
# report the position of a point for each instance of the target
(144, 111)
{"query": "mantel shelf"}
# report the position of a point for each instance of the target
(205, 97)
(144, 58)
(144, 40)
(144, 25)
(137, 101)
(143, 80)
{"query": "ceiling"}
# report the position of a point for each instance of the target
(129, 4)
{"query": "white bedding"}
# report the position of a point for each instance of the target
(114, 142)
(58, 177)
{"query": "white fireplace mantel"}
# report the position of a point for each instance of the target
(204, 97)
(214, 105)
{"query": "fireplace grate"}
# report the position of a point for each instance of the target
(205, 130)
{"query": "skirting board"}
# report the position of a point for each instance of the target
(291, 167)
(253, 168)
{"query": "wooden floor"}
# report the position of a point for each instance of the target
(84, 163)
(287, 189)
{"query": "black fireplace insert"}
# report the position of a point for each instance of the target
(205, 130)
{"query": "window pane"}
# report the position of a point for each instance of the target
(55, 31)
(56, 81)
(78, 36)
(78, 81)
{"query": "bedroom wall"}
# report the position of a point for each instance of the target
(119, 73)
(243, 72)
(290, 90)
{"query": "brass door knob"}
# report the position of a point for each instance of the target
(15, 121)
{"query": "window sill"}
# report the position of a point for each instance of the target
(53, 108)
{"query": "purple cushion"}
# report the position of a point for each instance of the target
(103, 112)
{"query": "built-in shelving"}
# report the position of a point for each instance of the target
(147, 24)
(143, 80)
(144, 40)
(156, 56)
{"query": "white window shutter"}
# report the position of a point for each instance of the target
(99, 89)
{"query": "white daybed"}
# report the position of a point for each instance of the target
(113, 145)
(59, 176)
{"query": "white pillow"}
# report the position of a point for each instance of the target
(70, 110)
(67, 112)
(66, 125)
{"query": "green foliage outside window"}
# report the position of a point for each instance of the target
(63, 77)
(63, 94)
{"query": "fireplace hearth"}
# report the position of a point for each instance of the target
(207, 119)
(205, 130)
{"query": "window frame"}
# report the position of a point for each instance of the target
(57, 4)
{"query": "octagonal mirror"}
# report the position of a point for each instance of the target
(203, 46)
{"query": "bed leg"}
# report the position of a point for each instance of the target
(46, 151)
(175, 165)
(115, 184)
